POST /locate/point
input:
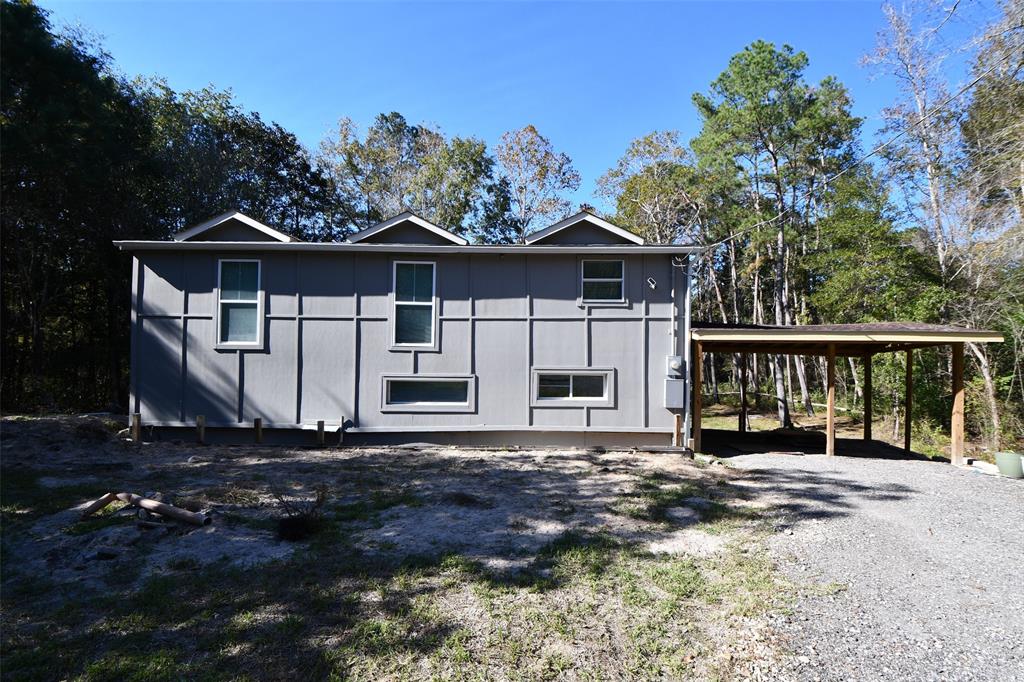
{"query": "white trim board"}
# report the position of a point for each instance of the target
(410, 217)
(581, 217)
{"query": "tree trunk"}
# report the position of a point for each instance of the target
(990, 392)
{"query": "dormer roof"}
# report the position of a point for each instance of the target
(407, 228)
(232, 226)
(584, 228)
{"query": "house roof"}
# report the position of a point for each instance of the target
(588, 217)
(407, 217)
(368, 247)
(237, 216)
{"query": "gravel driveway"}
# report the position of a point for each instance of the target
(920, 567)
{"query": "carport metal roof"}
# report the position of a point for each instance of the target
(844, 340)
(849, 339)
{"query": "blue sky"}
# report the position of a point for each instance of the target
(590, 76)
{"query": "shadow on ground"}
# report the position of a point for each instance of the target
(421, 550)
(722, 443)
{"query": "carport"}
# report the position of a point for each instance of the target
(837, 340)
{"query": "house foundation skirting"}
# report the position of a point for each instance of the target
(484, 437)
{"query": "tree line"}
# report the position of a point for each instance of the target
(799, 232)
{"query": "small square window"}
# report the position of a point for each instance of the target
(602, 281)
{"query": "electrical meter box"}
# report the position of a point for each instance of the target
(675, 393)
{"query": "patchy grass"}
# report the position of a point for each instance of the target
(580, 597)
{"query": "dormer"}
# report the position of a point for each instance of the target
(584, 228)
(232, 227)
(407, 228)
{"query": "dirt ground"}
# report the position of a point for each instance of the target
(430, 563)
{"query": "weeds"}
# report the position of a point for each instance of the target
(302, 518)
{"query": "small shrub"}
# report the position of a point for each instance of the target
(302, 518)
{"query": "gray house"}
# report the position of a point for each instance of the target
(406, 333)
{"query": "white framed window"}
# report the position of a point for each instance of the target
(428, 393)
(239, 321)
(602, 281)
(413, 316)
(571, 387)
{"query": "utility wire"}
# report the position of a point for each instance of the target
(875, 151)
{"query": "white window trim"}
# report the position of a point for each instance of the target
(622, 300)
(395, 303)
(468, 406)
(608, 400)
(260, 322)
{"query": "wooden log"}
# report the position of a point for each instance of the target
(908, 401)
(677, 433)
(320, 433)
(149, 505)
(698, 406)
(830, 400)
(201, 428)
(136, 429)
(743, 393)
(956, 436)
(867, 397)
(257, 426)
(165, 509)
(98, 504)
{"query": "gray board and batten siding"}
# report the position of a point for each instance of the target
(504, 320)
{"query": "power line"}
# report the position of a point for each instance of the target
(874, 151)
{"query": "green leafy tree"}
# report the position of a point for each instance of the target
(398, 167)
(537, 178)
(655, 189)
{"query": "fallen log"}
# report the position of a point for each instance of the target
(149, 505)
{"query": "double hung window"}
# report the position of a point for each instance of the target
(413, 317)
(239, 303)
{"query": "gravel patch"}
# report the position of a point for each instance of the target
(905, 569)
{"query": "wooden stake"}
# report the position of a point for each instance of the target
(201, 428)
(743, 393)
(136, 431)
(867, 397)
(257, 425)
(956, 449)
(677, 435)
(830, 387)
(320, 433)
(908, 401)
(698, 361)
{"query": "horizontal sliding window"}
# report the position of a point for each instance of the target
(602, 280)
(590, 386)
(414, 304)
(426, 393)
(239, 302)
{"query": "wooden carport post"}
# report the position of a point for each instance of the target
(956, 445)
(908, 401)
(830, 387)
(867, 397)
(743, 393)
(698, 362)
